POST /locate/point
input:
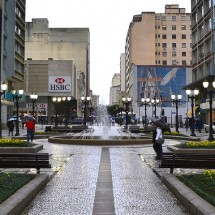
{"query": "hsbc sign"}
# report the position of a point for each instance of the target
(59, 83)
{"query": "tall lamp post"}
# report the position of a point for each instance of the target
(191, 95)
(176, 101)
(17, 95)
(210, 92)
(67, 100)
(126, 101)
(85, 101)
(145, 102)
(56, 100)
(33, 97)
(4, 88)
(155, 103)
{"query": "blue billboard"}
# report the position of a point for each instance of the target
(161, 82)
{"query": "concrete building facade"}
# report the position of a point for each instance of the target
(59, 45)
(12, 48)
(115, 89)
(156, 40)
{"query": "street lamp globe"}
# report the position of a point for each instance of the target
(4, 86)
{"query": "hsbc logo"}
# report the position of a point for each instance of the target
(59, 80)
(59, 83)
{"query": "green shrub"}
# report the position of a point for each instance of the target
(202, 184)
(197, 144)
(10, 183)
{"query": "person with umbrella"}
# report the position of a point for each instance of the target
(157, 133)
(10, 125)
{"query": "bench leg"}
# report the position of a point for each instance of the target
(38, 170)
(171, 170)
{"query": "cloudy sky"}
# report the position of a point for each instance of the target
(108, 21)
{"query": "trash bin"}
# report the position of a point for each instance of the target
(48, 128)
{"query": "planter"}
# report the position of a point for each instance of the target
(194, 151)
(32, 149)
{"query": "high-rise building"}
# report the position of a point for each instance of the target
(202, 20)
(115, 89)
(12, 46)
(157, 54)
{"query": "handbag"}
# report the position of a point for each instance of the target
(160, 140)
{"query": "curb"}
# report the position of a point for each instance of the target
(17, 202)
(194, 204)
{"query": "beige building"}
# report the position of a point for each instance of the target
(115, 90)
(57, 47)
(159, 39)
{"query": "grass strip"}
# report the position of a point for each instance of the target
(202, 185)
(11, 182)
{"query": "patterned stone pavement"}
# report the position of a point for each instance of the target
(71, 191)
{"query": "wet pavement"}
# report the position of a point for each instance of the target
(73, 190)
(82, 180)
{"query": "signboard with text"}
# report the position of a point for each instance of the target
(37, 105)
(59, 84)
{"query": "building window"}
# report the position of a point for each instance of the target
(163, 18)
(164, 45)
(164, 36)
(183, 27)
(183, 36)
(174, 54)
(209, 24)
(164, 54)
(183, 18)
(183, 54)
(173, 45)
(183, 45)
(202, 10)
(173, 27)
(173, 36)
(164, 62)
(184, 62)
(164, 27)
(174, 62)
(173, 18)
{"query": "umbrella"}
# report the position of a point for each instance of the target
(161, 123)
(13, 119)
(27, 117)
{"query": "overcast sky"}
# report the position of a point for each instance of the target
(108, 21)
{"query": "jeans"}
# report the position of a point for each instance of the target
(30, 135)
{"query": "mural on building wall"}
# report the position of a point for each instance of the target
(161, 82)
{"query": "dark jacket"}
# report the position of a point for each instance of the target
(10, 125)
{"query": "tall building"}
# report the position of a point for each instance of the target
(115, 89)
(12, 45)
(57, 46)
(122, 74)
(202, 19)
(157, 52)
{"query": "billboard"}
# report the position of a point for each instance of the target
(161, 82)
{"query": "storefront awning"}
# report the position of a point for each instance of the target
(189, 113)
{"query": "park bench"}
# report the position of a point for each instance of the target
(187, 161)
(24, 160)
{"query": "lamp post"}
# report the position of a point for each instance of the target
(176, 101)
(67, 100)
(56, 100)
(210, 92)
(191, 95)
(154, 103)
(145, 102)
(33, 97)
(17, 95)
(126, 101)
(85, 101)
(4, 88)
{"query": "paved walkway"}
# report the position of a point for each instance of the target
(90, 177)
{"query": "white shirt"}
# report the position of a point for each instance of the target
(159, 133)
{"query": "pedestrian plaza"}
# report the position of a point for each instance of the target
(107, 179)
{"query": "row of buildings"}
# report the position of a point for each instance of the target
(165, 54)
(49, 62)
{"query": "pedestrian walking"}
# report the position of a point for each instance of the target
(10, 125)
(157, 133)
(30, 129)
